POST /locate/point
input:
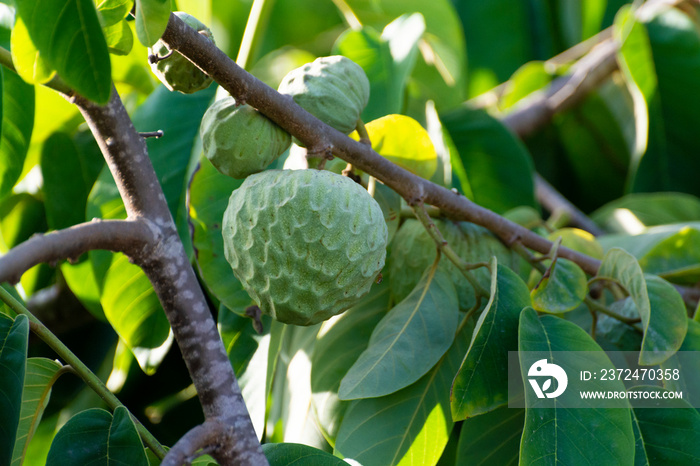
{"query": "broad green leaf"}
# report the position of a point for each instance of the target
(578, 240)
(659, 305)
(96, 437)
(493, 54)
(687, 364)
(481, 385)
(113, 11)
(562, 289)
(151, 20)
(492, 438)
(411, 426)
(497, 163)
(65, 187)
(69, 38)
(119, 38)
(425, 320)
(209, 192)
(530, 77)
(647, 209)
(579, 19)
(14, 337)
(249, 354)
(405, 142)
(340, 342)
(31, 65)
(40, 376)
(553, 435)
(613, 335)
(444, 38)
(17, 124)
(667, 435)
(676, 258)
(387, 60)
(285, 454)
(21, 215)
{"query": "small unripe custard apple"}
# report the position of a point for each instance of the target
(239, 140)
(334, 89)
(305, 244)
(176, 72)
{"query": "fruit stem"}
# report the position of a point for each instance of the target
(444, 248)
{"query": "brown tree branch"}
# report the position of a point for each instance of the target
(127, 236)
(170, 272)
(322, 138)
(204, 439)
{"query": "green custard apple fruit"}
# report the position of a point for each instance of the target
(334, 89)
(239, 140)
(413, 251)
(176, 71)
(305, 244)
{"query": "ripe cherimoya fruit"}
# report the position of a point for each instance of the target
(305, 244)
(239, 140)
(334, 89)
(176, 71)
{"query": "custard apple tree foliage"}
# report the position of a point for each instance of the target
(405, 371)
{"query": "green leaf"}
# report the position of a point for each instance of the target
(69, 38)
(648, 209)
(426, 319)
(21, 215)
(411, 426)
(96, 437)
(64, 201)
(285, 454)
(119, 38)
(17, 124)
(659, 305)
(387, 60)
(529, 78)
(390, 202)
(580, 19)
(687, 363)
(209, 193)
(31, 65)
(151, 20)
(14, 337)
(554, 435)
(405, 142)
(481, 385)
(578, 240)
(562, 289)
(676, 258)
(113, 11)
(40, 376)
(492, 438)
(497, 163)
(340, 342)
(667, 435)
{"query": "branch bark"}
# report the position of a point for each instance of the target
(321, 138)
(127, 236)
(168, 268)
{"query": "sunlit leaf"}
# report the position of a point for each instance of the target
(151, 20)
(69, 38)
(40, 375)
(283, 454)
(647, 209)
(30, 64)
(14, 336)
(119, 38)
(593, 436)
(17, 125)
(676, 258)
(95, 436)
(426, 319)
(113, 11)
(578, 240)
(562, 289)
(481, 385)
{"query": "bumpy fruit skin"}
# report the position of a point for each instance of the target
(239, 140)
(414, 251)
(176, 71)
(334, 89)
(305, 244)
